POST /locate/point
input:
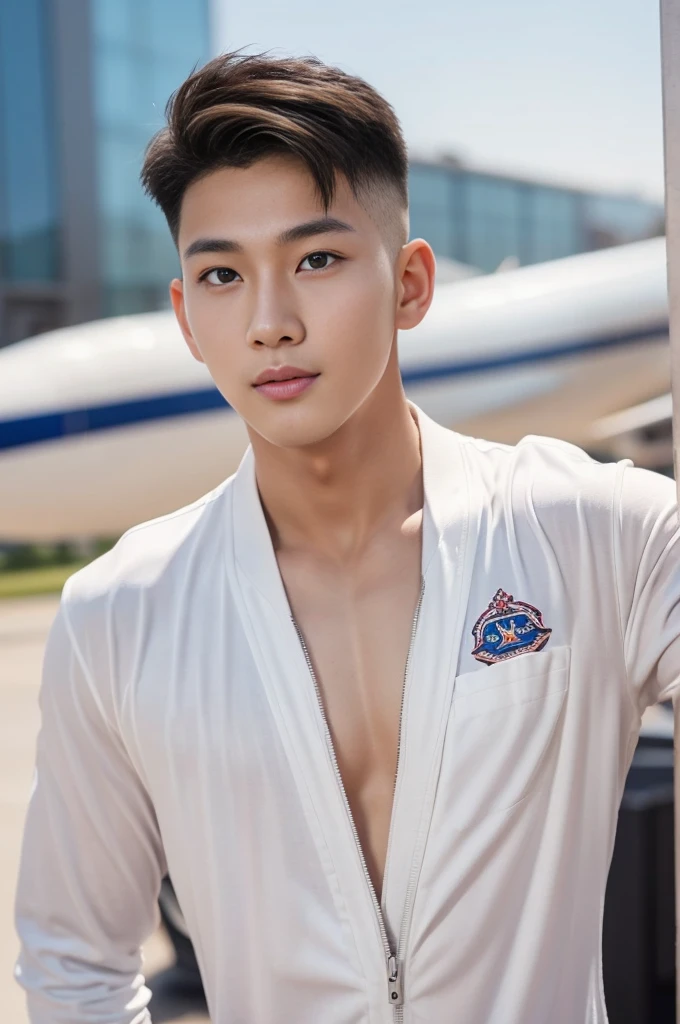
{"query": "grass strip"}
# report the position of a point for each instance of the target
(29, 582)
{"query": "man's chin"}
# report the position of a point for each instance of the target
(293, 428)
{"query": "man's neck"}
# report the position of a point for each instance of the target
(331, 500)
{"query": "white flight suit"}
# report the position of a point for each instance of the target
(181, 733)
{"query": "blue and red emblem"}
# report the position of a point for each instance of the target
(507, 628)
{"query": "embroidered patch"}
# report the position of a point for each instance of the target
(507, 628)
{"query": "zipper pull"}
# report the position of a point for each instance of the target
(394, 986)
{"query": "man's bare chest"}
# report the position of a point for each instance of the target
(357, 631)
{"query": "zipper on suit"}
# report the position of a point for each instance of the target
(393, 958)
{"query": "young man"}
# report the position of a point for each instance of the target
(370, 702)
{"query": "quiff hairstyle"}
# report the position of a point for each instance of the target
(240, 108)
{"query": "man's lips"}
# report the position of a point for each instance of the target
(281, 373)
(283, 382)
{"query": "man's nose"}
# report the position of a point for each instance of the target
(274, 322)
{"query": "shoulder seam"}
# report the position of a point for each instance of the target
(496, 445)
(206, 499)
(569, 450)
(566, 447)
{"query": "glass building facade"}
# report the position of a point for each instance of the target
(29, 195)
(482, 219)
(83, 87)
(143, 50)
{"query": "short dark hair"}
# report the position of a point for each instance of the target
(239, 108)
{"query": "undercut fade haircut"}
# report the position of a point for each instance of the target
(240, 108)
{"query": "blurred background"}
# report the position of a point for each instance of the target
(535, 133)
(536, 174)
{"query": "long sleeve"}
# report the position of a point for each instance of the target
(647, 548)
(91, 861)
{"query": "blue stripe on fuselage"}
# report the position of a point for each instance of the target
(50, 426)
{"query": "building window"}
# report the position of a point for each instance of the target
(614, 220)
(431, 207)
(554, 223)
(29, 237)
(493, 211)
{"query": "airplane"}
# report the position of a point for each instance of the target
(112, 423)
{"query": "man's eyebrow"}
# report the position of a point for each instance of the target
(206, 245)
(321, 226)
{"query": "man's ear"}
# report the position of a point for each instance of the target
(177, 299)
(415, 269)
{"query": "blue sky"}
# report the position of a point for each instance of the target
(567, 91)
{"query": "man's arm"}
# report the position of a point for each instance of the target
(92, 860)
(647, 554)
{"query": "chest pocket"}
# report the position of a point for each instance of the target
(503, 732)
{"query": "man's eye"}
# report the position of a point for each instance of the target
(220, 275)
(318, 260)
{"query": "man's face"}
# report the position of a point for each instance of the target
(270, 281)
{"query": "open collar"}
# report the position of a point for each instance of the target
(446, 497)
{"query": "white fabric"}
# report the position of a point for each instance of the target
(181, 733)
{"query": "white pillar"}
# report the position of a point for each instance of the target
(670, 57)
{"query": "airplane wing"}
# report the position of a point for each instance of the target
(643, 433)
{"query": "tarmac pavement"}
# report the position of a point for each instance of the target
(23, 629)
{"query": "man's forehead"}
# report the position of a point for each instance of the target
(266, 200)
